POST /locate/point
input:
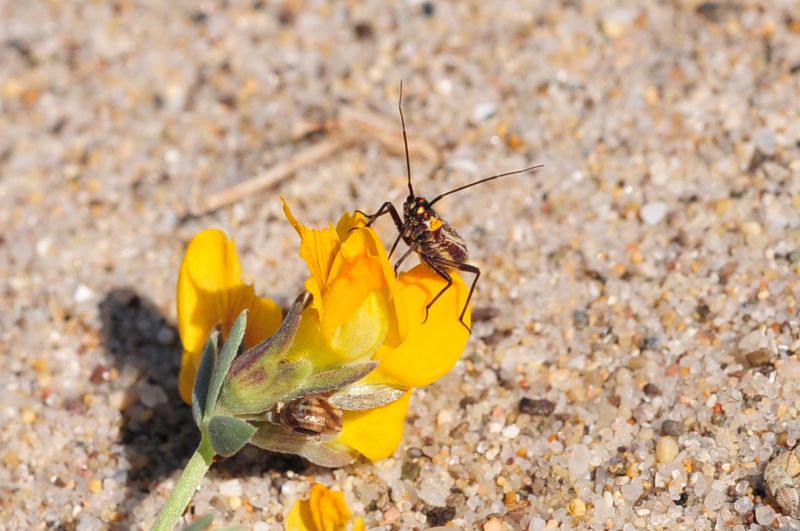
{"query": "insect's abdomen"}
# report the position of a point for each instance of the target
(311, 416)
(446, 243)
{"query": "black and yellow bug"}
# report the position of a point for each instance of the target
(435, 241)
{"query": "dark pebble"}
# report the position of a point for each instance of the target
(484, 313)
(671, 427)
(100, 374)
(651, 389)
(414, 452)
(440, 515)
(757, 358)
(410, 470)
(541, 407)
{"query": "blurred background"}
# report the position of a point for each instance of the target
(663, 231)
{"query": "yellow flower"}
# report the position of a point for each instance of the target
(361, 312)
(211, 294)
(324, 510)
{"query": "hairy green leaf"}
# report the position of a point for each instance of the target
(229, 350)
(228, 434)
(203, 378)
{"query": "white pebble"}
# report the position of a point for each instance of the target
(510, 431)
(743, 505)
(83, 293)
(714, 500)
(765, 514)
(579, 460)
(789, 370)
(151, 395)
(653, 212)
(764, 139)
(444, 417)
(433, 493)
(666, 449)
(232, 487)
(753, 341)
(537, 524)
(483, 111)
(632, 491)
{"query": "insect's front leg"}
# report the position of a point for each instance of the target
(386, 208)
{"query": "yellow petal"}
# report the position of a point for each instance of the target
(211, 294)
(431, 349)
(375, 433)
(358, 524)
(325, 510)
(209, 271)
(318, 247)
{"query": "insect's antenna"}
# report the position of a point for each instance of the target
(405, 140)
(476, 183)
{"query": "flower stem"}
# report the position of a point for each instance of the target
(192, 474)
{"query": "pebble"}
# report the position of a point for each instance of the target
(151, 395)
(494, 524)
(444, 417)
(576, 507)
(671, 427)
(95, 485)
(666, 449)
(765, 515)
(540, 407)
(83, 293)
(231, 487)
(757, 358)
(653, 212)
(765, 142)
(789, 370)
(510, 431)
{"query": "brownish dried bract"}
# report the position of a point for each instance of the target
(312, 415)
(781, 476)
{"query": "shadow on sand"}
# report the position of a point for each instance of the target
(158, 433)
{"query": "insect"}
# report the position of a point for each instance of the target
(425, 232)
(311, 415)
(780, 475)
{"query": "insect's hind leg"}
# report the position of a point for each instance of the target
(442, 272)
(439, 266)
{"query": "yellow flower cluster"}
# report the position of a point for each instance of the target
(360, 312)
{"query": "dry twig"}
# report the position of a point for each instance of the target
(352, 125)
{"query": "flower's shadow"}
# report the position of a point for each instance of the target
(157, 432)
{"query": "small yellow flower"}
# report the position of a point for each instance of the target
(324, 510)
(361, 311)
(211, 294)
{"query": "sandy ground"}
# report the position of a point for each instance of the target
(639, 293)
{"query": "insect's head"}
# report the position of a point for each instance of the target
(416, 207)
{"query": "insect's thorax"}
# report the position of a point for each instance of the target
(435, 238)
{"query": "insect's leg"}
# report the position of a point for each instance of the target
(386, 208)
(442, 263)
(410, 250)
(438, 268)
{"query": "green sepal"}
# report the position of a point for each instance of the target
(228, 435)
(335, 379)
(223, 364)
(264, 388)
(276, 439)
(202, 523)
(203, 378)
(272, 349)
